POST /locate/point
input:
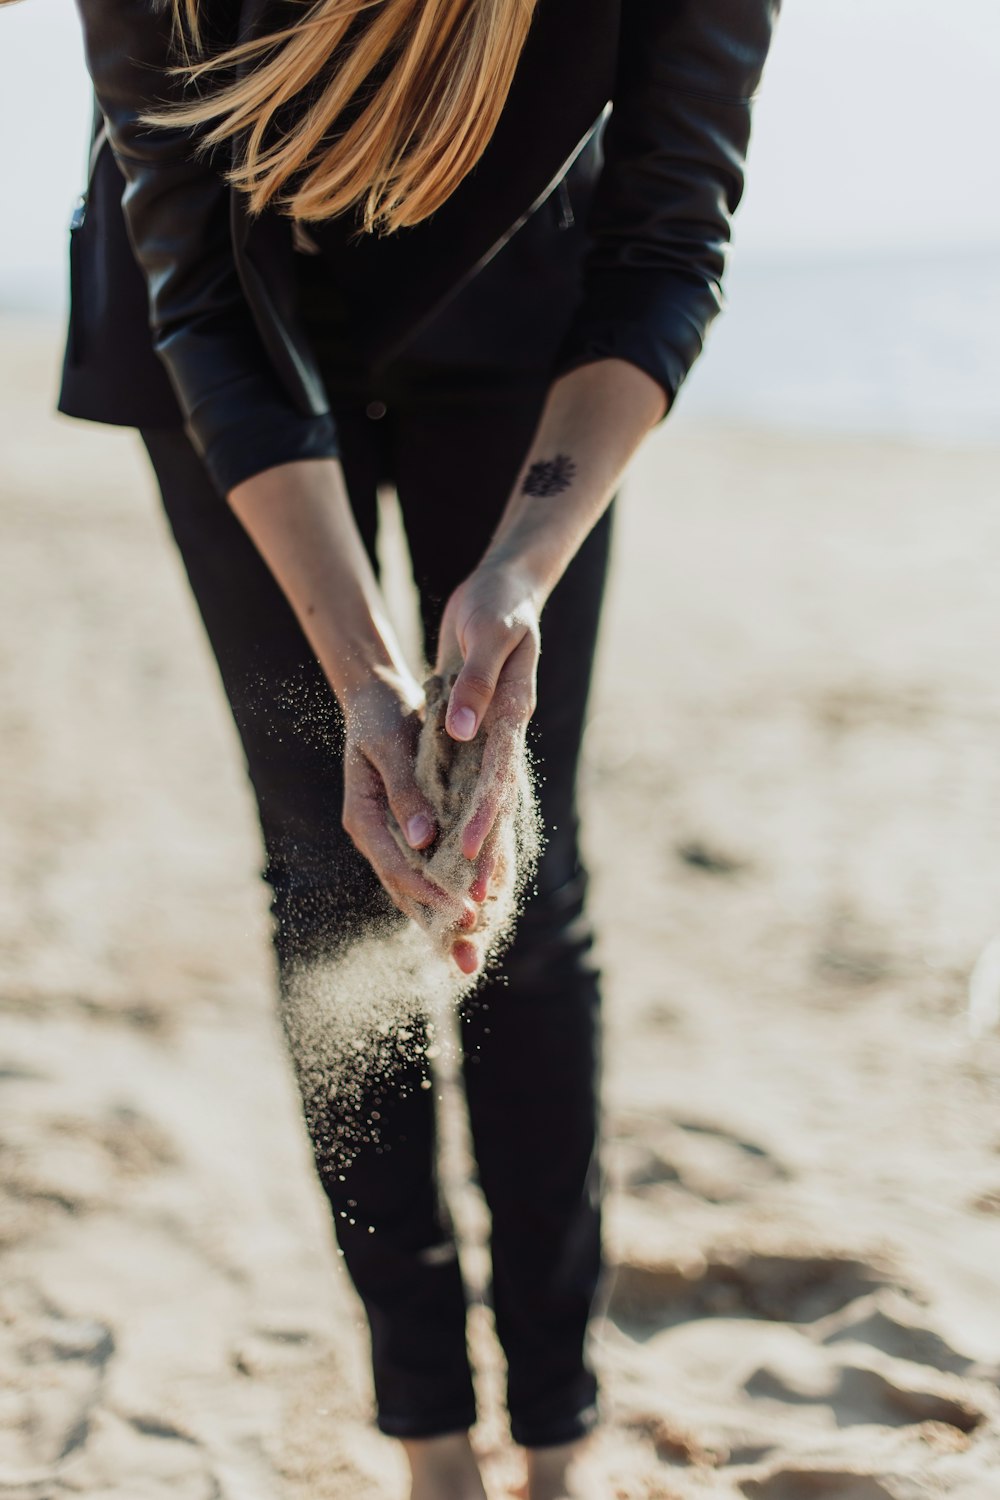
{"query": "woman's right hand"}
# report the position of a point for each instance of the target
(382, 725)
(300, 519)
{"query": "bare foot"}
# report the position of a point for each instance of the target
(554, 1473)
(443, 1468)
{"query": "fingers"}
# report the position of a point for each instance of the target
(466, 955)
(411, 809)
(403, 883)
(472, 695)
(490, 646)
(417, 897)
(514, 702)
(364, 820)
(485, 865)
(490, 802)
(497, 787)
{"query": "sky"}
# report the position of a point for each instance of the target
(874, 132)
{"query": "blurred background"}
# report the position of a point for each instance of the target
(792, 797)
(865, 285)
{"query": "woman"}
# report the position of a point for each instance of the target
(399, 240)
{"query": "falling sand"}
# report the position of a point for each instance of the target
(803, 1208)
(448, 773)
(379, 1006)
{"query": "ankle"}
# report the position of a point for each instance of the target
(443, 1468)
(556, 1473)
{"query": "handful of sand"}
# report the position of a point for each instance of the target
(447, 771)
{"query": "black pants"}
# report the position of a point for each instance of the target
(530, 1040)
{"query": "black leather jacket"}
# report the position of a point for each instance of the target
(680, 75)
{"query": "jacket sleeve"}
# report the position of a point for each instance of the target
(675, 152)
(177, 212)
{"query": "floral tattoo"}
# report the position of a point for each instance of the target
(550, 476)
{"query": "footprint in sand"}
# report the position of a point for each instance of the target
(269, 1350)
(891, 1323)
(84, 1159)
(987, 1203)
(701, 1159)
(18, 1073)
(54, 1370)
(869, 1396)
(779, 1287)
(817, 1484)
(674, 1443)
(636, 1166)
(131, 1143)
(68, 1425)
(859, 1396)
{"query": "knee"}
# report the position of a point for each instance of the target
(322, 896)
(551, 956)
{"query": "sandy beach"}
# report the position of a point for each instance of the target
(792, 785)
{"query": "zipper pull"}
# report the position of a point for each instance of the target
(566, 216)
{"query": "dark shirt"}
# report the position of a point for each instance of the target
(508, 318)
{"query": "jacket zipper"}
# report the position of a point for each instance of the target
(566, 216)
(392, 351)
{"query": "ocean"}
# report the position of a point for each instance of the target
(894, 345)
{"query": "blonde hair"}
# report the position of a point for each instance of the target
(385, 105)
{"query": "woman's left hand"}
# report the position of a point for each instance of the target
(490, 636)
(593, 419)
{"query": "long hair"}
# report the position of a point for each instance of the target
(379, 105)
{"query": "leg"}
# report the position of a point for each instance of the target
(531, 1044)
(532, 1048)
(406, 1271)
(557, 1473)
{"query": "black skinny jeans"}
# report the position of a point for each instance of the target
(530, 1037)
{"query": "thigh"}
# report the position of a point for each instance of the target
(457, 447)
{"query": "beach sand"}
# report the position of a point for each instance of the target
(792, 787)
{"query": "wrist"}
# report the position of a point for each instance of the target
(369, 666)
(519, 572)
(532, 562)
(299, 517)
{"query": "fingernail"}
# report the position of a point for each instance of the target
(463, 724)
(418, 830)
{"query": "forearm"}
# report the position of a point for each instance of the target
(299, 518)
(593, 421)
